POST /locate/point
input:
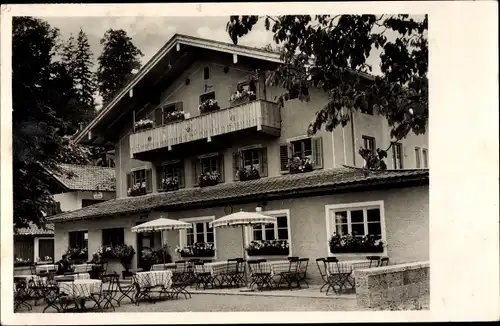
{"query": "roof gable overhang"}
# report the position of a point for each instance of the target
(177, 54)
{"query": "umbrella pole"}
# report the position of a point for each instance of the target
(244, 254)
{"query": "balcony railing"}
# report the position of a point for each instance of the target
(262, 115)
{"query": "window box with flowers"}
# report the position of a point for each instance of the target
(268, 248)
(351, 244)
(209, 105)
(241, 97)
(245, 174)
(209, 179)
(300, 165)
(77, 254)
(106, 252)
(170, 183)
(143, 124)
(150, 257)
(137, 189)
(173, 116)
(19, 262)
(199, 249)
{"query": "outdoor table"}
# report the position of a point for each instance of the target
(147, 281)
(162, 267)
(214, 268)
(80, 276)
(275, 267)
(83, 268)
(331, 267)
(45, 268)
(80, 289)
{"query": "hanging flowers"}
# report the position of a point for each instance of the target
(299, 165)
(268, 247)
(138, 188)
(348, 243)
(209, 178)
(248, 174)
(143, 124)
(209, 105)
(170, 183)
(173, 116)
(199, 249)
(242, 96)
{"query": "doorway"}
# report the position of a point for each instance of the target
(146, 240)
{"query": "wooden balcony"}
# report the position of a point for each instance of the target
(263, 116)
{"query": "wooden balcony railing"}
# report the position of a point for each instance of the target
(262, 115)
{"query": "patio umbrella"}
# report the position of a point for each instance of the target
(161, 224)
(242, 219)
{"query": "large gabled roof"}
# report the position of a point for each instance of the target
(291, 185)
(178, 40)
(85, 177)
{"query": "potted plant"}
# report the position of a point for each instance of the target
(209, 179)
(300, 165)
(106, 252)
(124, 253)
(268, 248)
(242, 96)
(209, 105)
(151, 256)
(143, 124)
(138, 189)
(248, 174)
(353, 244)
(199, 249)
(170, 183)
(19, 261)
(173, 116)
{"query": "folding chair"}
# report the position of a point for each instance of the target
(229, 276)
(107, 295)
(374, 261)
(338, 275)
(303, 264)
(384, 261)
(180, 282)
(320, 262)
(21, 296)
(292, 275)
(126, 291)
(203, 276)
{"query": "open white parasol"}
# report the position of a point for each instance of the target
(242, 219)
(161, 224)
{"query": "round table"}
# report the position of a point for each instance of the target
(81, 288)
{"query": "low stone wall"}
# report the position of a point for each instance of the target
(381, 286)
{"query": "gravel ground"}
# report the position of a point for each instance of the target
(225, 303)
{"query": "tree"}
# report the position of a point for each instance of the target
(40, 92)
(330, 53)
(119, 57)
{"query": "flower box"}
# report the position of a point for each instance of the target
(169, 184)
(209, 179)
(239, 98)
(174, 116)
(268, 248)
(300, 165)
(209, 105)
(77, 254)
(199, 249)
(351, 244)
(248, 174)
(143, 124)
(138, 189)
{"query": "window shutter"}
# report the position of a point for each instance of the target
(178, 106)
(159, 176)
(58, 207)
(194, 165)
(130, 181)
(236, 165)
(263, 162)
(158, 116)
(182, 182)
(284, 157)
(220, 159)
(317, 151)
(149, 180)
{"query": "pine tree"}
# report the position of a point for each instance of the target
(119, 57)
(85, 79)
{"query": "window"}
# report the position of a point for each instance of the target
(272, 232)
(139, 182)
(305, 147)
(162, 114)
(211, 163)
(424, 157)
(206, 73)
(200, 232)
(78, 239)
(369, 143)
(302, 148)
(207, 96)
(89, 202)
(358, 220)
(170, 175)
(113, 236)
(253, 157)
(417, 157)
(54, 208)
(397, 157)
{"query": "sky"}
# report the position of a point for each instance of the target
(150, 33)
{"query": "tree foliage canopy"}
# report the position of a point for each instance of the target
(119, 57)
(331, 52)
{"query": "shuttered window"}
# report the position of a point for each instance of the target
(170, 172)
(160, 112)
(248, 158)
(311, 148)
(139, 182)
(208, 163)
